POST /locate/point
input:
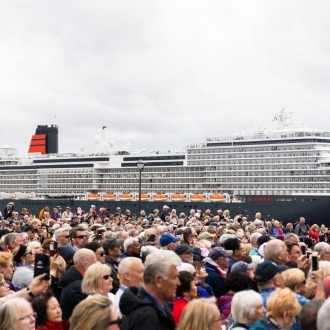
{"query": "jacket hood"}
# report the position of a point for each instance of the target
(70, 276)
(133, 298)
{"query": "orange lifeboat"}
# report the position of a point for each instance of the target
(160, 197)
(109, 197)
(217, 198)
(126, 197)
(93, 196)
(178, 197)
(144, 197)
(197, 197)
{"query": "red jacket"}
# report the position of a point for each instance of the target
(314, 234)
(62, 325)
(178, 308)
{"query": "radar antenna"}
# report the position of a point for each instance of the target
(283, 119)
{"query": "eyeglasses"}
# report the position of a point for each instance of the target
(33, 315)
(101, 254)
(219, 319)
(67, 236)
(106, 277)
(117, 321)
(81, 236)
(3, 283)
(28, 253)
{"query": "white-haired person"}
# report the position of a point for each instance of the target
(36, 247)
(131, 248)
(146, 307)
(17, 314)
(246, 308)
(283, 307)
(97, 281)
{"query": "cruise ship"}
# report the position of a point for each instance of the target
(283, 174)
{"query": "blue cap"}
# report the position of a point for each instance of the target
(167, 239)
(214, 224)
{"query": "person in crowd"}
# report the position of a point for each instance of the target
(31, 232)
(67, 253)
(323, 250)
(55, 215)
(146, 307)
(112, 247)
(4, 287)
(283, 307)
(277, 252)
(48, 312)
(313, 233)
(301, 227)
(95, 313)
(308, 314)
(42, 212)
(131, 248)
(36, 247)
(7, 270)
(57, 268)
(216, 265)
(185, 253)
(234, 282)
(244, 267)
(289, 228)
(78, 238)
(62, 236)
(72, 279)
(234, 245)
(277, 230)
(294, 254)
(12, 240)
(169, 242)
(24, 258)
(244, 313)
(97, 281)
(294, 279)
(98, 250)
(67, 214)
(185, 292)
(291, 237)
(253, 240)
(17, 314)
(200, 314)
(201, 275)
(131, 272)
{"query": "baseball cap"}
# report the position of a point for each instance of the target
(214, 224)
(218, 252)
(27, 228)
(66, 252)
(167, 239)
(206, 235)
(165, 207)
(110, 243)
(262, 239)
(224, 238)
(267, 270)
(179, 231)
(182, 249)
(241, 266)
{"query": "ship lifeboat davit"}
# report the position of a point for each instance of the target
(144, 197)
(126, 197)
(109, 197)
(93, 196)
(217, 198)
(197, 198)
(178, 197)
(160, 197)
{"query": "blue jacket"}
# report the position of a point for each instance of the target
(215, 280)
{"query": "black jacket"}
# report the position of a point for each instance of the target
(142, 313)
(215, 280)
(114, 273)
(71, 293)
(163, 215)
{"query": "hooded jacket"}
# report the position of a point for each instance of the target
(141, 312)
(114, 273)
(71, 293)
(215, 278)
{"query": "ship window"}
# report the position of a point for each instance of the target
(301, 200)
(313, 199)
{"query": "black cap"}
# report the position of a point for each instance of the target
(182, 249)
(27, 228)
(266, 270)
(262, 239)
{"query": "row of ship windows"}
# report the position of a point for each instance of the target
(253, 149)
(259, 155)
(266, 161)
(230, 168)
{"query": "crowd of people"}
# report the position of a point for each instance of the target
(162, 271)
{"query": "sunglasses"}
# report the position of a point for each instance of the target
(67, 236)
(101, 254)
(106, 277)
(81, 236)
(28, 253)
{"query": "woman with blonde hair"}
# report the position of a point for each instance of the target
(294, 279)
(95, 313)
(226, 214)
(17, 314)
(314, 233)
(97, 281)
(4, 287)
(200, 314)
(283, 307)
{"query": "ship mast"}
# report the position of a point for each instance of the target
(283, 119)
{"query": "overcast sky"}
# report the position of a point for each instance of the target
(160, 74)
